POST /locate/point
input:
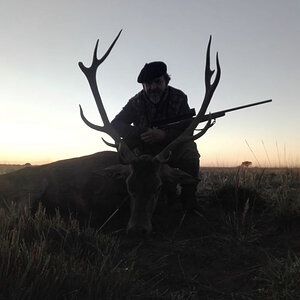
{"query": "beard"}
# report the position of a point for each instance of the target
(155, 96)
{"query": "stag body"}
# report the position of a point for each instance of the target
(145, 174)
(92, 188)
(71, 185)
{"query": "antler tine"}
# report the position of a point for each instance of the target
(102, 59)
(109, 144)
(97, 62)
(88, 123)
(96, 127)
(210, 88)
(94, 65)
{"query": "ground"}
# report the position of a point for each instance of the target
(224, 252)
(243, 243)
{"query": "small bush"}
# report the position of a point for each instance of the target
(236, 195)
(283, 194)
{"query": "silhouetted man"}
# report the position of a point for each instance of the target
(157, 101)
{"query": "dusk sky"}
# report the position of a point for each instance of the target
(41, 85)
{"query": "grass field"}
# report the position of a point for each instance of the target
(244, 245)
(4, 168)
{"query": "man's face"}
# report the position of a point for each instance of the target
(155, 88)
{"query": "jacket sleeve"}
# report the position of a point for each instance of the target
(122, 123)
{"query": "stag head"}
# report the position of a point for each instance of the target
(145, 175)
(144, 179)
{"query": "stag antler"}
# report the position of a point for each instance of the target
(187, 134)
(90, 73)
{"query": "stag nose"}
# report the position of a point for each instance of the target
(140, 231)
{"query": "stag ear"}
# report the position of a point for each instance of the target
(116, 171)
(174, 175)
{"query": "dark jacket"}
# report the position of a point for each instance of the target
(139, 113)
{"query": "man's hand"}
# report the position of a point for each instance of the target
(152, 136)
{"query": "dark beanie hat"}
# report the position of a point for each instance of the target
(152, 70)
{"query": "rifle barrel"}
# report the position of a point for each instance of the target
(222, 113)
(187, 118)
(245, 106)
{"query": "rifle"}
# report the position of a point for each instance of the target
(182, 121)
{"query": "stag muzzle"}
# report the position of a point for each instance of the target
(141, 211)
(139, 223)
(139, 230)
